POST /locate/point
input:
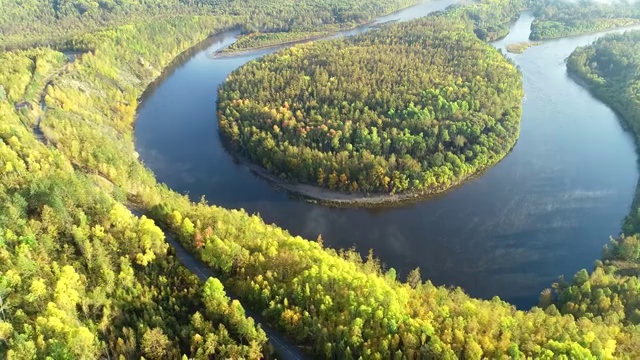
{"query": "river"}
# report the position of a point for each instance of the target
(545, 210)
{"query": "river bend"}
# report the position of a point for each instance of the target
(545, 210)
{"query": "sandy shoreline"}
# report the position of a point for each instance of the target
(312, 193)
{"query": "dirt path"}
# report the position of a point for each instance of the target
(43, 104)
(285, 350)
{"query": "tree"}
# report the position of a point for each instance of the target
(321, 177)
(3, 307)
(581, 277)
(6, 332)
(69, 289)
(333, 181)
(414, 278)
(155, 344)
(546, 298)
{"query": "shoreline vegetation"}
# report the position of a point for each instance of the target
(230, 51)
(630, 27)
(491, 19)
(573, 32)
(521, 47)
(489, 27)
(75, 263)
(557, 19)
(610, 70)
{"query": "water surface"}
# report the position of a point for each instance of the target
(545, 211)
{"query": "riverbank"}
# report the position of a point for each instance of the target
(607, 95)
(313, 36)
(339, 199)
(228, 52)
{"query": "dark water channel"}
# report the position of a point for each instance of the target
(546, 210)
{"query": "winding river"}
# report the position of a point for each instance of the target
(545, 210)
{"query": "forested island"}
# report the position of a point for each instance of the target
(410, 108)
(82, 277)
(519, 48)
(262, 40)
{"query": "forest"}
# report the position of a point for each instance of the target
(435, 114)
(82, 277)
(43, 22)
(559, 18)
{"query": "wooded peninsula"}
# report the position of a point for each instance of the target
(414, 107)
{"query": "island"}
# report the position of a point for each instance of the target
(255, 41)
(519, 48)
